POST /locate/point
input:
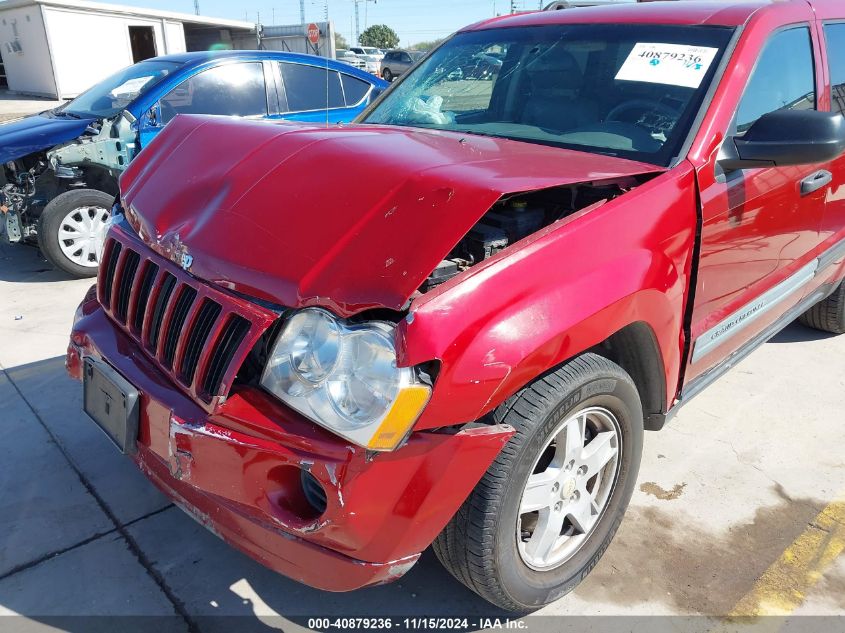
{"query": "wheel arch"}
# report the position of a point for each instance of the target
(635, 349)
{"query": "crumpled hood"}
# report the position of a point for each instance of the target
(349, 218)
(38, 132)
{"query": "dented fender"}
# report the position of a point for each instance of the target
(558, 293)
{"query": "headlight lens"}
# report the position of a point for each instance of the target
(313, 338)
(345, 378)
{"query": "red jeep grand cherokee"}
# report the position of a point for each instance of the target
(452, 321)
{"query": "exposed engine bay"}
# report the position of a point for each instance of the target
(93, 160)
(516, 217)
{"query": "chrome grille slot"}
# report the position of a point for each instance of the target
(124, 288)
(224, 350)
(206, 317)
(108, 277)
(144, 290)
(167, 286)
(185, 300)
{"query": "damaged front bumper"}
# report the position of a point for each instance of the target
(291, 495)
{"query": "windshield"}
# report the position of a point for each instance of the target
(112, 95)
(626, 90)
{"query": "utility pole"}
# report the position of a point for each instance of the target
(513, 6)
(196, 7)
(358, 18)
(357, 25)
(302, 11)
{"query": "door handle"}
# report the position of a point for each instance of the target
(815, 181)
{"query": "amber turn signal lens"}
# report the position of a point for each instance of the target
(405, 410)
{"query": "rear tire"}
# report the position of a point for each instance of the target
(828, 315)
(488, 544)
(69, 228)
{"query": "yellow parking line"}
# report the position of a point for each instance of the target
(782, 587)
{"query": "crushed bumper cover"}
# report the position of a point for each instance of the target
(239, 472)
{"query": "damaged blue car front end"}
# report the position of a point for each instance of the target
(59, 169)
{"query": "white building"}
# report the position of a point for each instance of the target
(59, 48)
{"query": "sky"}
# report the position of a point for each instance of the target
(413, 20)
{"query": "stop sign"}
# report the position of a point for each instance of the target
(313, 33)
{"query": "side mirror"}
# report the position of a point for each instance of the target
(154, 115)
(786, 137)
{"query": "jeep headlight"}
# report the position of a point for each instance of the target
(344, 377)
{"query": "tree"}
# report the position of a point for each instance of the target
(340, 41)
(380, 36)
(425, 46)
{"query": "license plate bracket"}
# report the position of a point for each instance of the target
(112, 402)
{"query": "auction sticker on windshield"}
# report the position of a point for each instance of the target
(672, 64)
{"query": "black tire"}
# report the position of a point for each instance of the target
(50, 223)
(387, 75)
(828, 315)
(479, 545)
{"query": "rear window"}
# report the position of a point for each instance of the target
(311, 88)
(354, 89)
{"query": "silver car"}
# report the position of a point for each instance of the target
(348, 57)
(397, 62)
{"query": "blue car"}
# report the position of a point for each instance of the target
(60, 167)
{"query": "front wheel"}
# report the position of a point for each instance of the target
(387, 75)
(547, 508)
(71, 230)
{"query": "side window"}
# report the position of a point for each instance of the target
(231, 89)
(783, 78)
(834, 35)
(354, 89)
(406, 58)
(311, 88)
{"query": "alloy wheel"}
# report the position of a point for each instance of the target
(569, 488)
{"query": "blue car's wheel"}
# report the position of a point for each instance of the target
(71, 230)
